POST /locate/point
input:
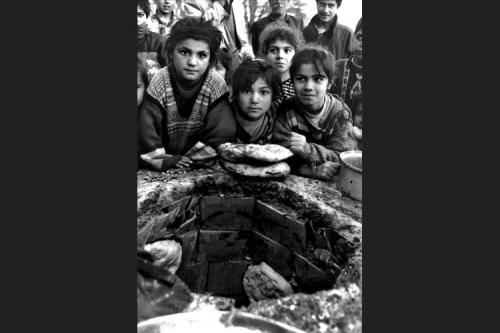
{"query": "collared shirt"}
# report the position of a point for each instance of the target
(160, 25)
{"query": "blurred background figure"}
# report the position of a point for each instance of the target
(228, 17)
(164, 16)
(151, 47)
(327, 32)
(278, 14)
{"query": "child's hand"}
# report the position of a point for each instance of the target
(357, 132)
(327, 170)
(184, 162)
(297, 142)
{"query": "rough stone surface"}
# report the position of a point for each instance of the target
(276, 225)
(188, 225)
(309, 277)
(232, 283)
(332, 311)
(228, 221)
(210, 205)
(332, 222)
(221, 245)
(262, 248)
(189, 240)
(195, 276)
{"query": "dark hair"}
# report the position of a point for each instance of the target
(339, 2)
(317, 55)
(252, 69)
(141, 69)
(225, 59)
(195, 28)
(144, 5)
(290, 35)
(359, 26)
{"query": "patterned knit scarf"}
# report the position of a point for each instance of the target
(262, 135)
(179, 128)
(356, 88)
(286, 91)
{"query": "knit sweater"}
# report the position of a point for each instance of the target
(161, 124)
(332, 135)
(337, 39)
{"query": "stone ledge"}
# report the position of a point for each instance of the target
(210, 205)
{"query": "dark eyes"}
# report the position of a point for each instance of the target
(141, 15)
(359, 37)
(249, 92)
(286, 50)
(316, 79)
(185, 52)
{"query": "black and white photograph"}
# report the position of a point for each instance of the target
(249, 166)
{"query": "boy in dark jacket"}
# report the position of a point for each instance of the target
(326, 31)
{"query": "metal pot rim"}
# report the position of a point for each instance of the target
(351, 153)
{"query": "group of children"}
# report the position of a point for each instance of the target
(295, 95)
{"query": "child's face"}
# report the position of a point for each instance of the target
(280, 53)
(311, 86)
(255, 101)
(357, 45)
(141, 16)
(191, 59)
(278, 7)
(164, 6)
(327, 9)
(140, 89)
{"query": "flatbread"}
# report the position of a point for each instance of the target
(276, 170)
(238, 152)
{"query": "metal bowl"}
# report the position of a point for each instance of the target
(215, 322)
(351, 173)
